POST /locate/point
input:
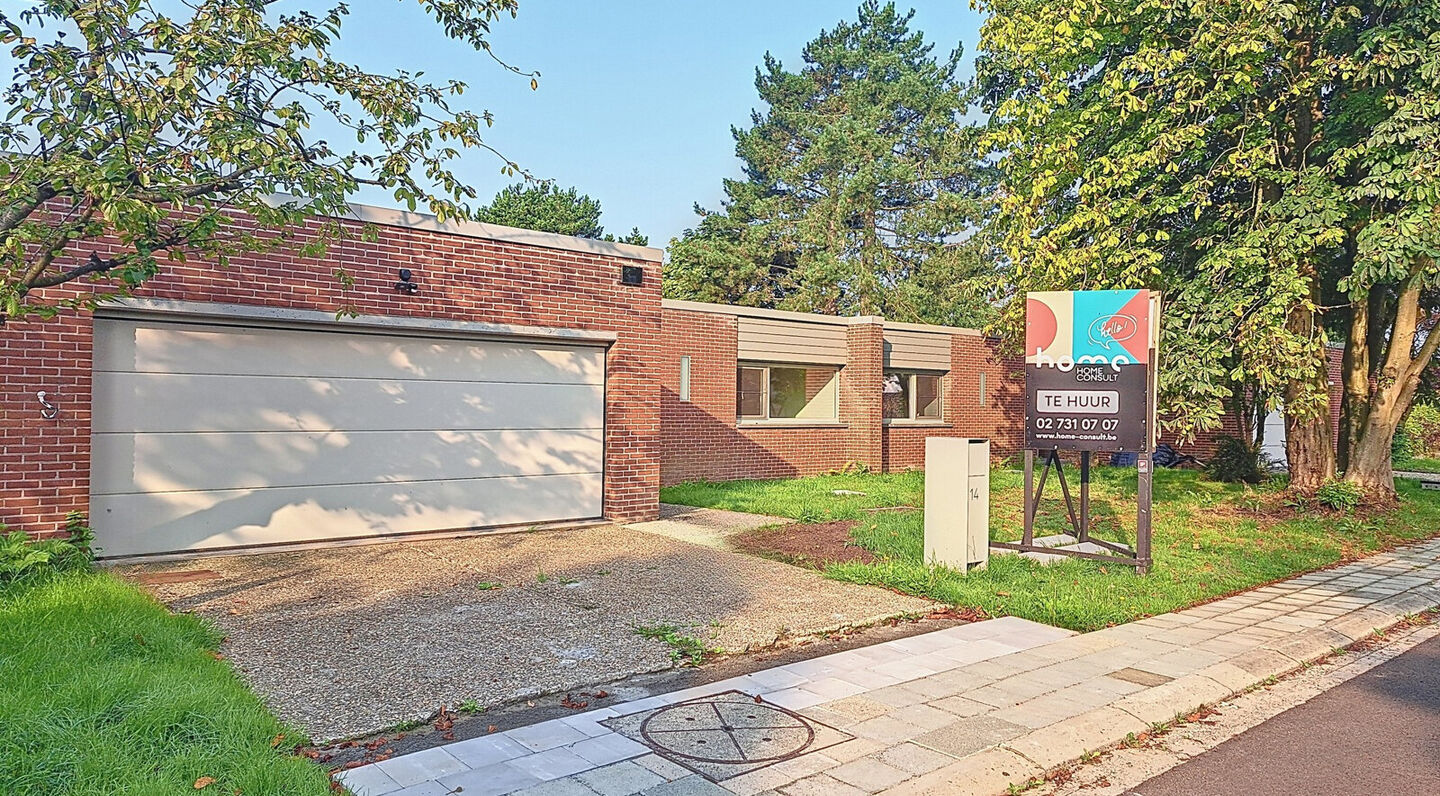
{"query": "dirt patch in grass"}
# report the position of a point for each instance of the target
(810, 545)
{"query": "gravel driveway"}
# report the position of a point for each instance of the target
(345, 641)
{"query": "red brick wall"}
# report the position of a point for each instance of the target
(1000, 419)
(44, 464)
(702, 440)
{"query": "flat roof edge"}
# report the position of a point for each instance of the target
(810, 317)
(393, 217)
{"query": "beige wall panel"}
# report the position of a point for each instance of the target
(917, 350)
(164, 402)
(160, 347)
(191, 461)
(143, 523)
(767, 340)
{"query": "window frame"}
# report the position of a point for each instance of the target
(765, 398)
(913, 396)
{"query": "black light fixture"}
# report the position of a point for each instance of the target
(632, 275)
(405, 285)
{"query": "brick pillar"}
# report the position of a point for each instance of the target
(860, 399)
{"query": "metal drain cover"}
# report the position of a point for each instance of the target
(726, 734)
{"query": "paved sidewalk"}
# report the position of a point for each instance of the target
(971, 709)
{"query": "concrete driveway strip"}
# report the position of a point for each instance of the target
(345, 641)
(1377, 733)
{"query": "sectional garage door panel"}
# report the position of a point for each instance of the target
(148, 347)
(212, 436)
(166, 402)
(161, 522)
(126, 463)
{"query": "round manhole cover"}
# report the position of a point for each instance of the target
(725, 731)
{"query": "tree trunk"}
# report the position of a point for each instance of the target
(1381, 403)
(1309, 443)
(1371, 467)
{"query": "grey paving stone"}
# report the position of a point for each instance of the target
(820, 785)
(868, 774)
(897, 696)
(780, 774)
(693, 785)
(607, 749)
(886, 730)
(855, 749)
(960, 706)
(914, 759)
(968, 736)
(858, 708)
(552, 764)
(493, 780)
(667, 770)
(620, 779)
(368, 781)
(431, 788)
(1140, 677)
(923, 716)
(558, 787)
(486, 750)
(419, 766)
(545, 735)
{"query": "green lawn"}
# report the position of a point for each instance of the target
(1210, 539)
(104, 691)
(1419, 465)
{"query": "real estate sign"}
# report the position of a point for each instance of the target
(1089, 370)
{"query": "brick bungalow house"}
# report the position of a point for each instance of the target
(515, 379)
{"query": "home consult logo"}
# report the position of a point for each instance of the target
(1101, 327)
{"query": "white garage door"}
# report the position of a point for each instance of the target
(209, 436)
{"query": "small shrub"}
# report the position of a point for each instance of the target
(24, 558)
(1422, 430)
(1404, 447)
(1236, 462)
(1340, 495)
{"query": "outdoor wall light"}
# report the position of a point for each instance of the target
(48, 409)
(405, 285)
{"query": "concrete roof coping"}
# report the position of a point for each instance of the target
(255, 314)
(392, 217)
(811, 317)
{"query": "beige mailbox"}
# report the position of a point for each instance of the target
(957, 502)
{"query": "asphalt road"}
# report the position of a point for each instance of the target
(1378, 733)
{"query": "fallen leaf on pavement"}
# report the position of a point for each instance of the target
(570, 702)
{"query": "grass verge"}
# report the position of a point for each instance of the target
(1210, 539)
(104, 691)
(1419, 465)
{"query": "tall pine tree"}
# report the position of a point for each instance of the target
(859, 193)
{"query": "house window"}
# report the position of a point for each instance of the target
(787, 392)
(912, 396)
(685, 378)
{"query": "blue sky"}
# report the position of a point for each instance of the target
(636, 99)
